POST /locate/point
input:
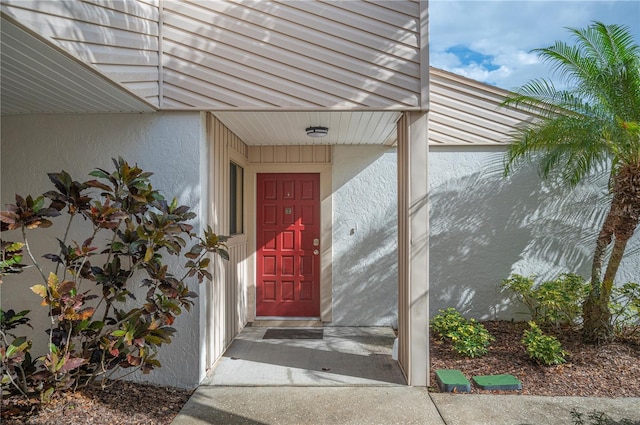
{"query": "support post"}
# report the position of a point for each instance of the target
(413, 248)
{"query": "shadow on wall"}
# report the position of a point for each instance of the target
(365, 228)
(36, 144)
(366, 293)
(485, 227)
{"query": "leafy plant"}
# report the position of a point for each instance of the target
(552, 303)
(523, 290)
(447, 321)
(14, 356)
(625, 309)
(590, 125)
(544, 349)
(99, 323)
(468, 337)
(471, 339)
(10, 258)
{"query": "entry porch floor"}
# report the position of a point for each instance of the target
(344, 356)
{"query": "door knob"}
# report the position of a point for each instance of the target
(316, 252)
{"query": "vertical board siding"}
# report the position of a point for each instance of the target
(295, 154)
(119, 38)
(302, 54)
(227, 307)
(236, 288)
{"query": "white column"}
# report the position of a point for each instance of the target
(413, 303)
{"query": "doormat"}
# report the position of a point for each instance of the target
(302, 333)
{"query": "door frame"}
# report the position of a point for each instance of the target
(326, 228)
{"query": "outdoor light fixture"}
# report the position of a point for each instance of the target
(317, 131)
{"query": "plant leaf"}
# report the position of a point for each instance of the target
(72, 363)
(40, 290)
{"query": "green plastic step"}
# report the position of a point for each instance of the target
(497, 382)
(452, 380)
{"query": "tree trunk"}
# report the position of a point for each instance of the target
(619, 225)
(596, 326)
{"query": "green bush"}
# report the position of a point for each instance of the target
(553, 303)
(98, 328)
(468, 337)
(543, 349)
(447, 321)
(625, 310)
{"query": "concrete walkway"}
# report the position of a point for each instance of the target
(344, 356)
(309, 405)
(389, 405)
(484, 409)
(348, 377)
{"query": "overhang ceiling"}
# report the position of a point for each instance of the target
(288, 128)
(37, 77)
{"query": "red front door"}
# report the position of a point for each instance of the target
(288, 245)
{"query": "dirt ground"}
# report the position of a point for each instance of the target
(609, 371)
(123, 403)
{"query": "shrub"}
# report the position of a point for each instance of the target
(625, 310)
(522, 289)
(447, 321)
(98, 325)
(543, 349)
(469, 338)
(554, 303)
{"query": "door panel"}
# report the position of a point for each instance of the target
(288, 232)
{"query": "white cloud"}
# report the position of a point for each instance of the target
(481, 73)
(507, 31)
(526, 58)
(444, 60)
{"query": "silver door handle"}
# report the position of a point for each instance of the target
(316, 252)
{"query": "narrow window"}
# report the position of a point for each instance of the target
(236, 211)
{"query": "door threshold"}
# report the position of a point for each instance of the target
(275, 321)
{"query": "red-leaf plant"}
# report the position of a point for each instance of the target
(93, 331)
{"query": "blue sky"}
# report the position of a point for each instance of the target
(491, 40)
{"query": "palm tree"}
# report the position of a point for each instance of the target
(593, 125)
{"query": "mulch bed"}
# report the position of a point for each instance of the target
(608, 371)
(123, 403)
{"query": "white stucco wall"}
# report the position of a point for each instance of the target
(171, 145)
(365, 243)
(485, 227)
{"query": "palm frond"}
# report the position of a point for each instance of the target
(570, 144)
(578, 129)
(542, 98)
(566, 62)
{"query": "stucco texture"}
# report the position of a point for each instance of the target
(365, 242)
(167, 144)
(485, 227)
